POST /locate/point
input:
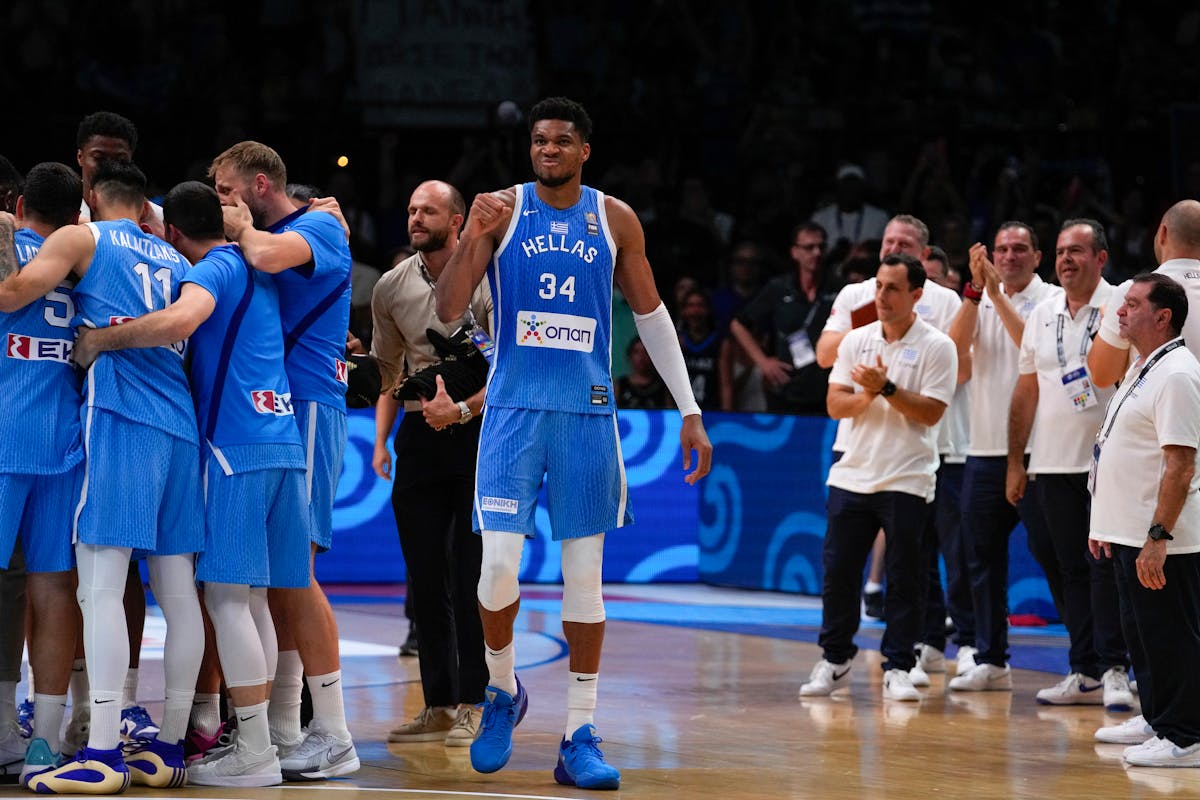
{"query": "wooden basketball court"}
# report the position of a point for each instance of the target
(696, 712)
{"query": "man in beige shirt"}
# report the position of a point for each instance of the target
(434, 477)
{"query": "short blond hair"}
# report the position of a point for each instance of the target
(251, 158)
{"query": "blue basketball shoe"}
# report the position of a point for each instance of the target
(136, 724)
(501, 713)
(580, 762)
(92, 772)
(25, 717)
(154, 763)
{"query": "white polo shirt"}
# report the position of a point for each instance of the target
(1055, 345)
(937, 306)
(886, 451)
(994, 369)
(1185, 272)
(1160, 409)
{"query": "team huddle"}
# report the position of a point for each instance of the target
(178, 377)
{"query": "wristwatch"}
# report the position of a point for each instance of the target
(888, 389)
(1159, 533)
(464, 411)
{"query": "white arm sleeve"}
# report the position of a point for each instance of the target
(662, 344)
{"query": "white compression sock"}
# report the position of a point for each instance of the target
(48, 713)
(206, 713)
(581, 700)
(129, 696)
(328, 709)
(284, 711)
(501, 666)
(253, 729)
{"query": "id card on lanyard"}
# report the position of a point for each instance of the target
(1077, 383)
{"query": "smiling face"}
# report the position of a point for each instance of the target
(1138, 319)
(557, 152)
(1076, 260)
(1015, 257)
(900, 237)
(894, 297)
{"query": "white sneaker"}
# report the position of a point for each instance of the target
(1074, 690)
(930, 659)
(1117, 694)
(918, 676)
(1162, 753)
(826, 678)
(12, 750)
(965, 660)
(898, 686)
(320, 755)
(983, 678)
(236, 766)
(1134, 730)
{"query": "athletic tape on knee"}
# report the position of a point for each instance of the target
(498, 584)
(582, 562)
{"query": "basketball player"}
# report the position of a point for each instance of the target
(40, 453)
(308, 255)
(137, 411)
(551, 250)
(254, 461)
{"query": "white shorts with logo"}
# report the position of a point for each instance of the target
(577, 455)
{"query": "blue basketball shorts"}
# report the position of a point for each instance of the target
(578, 456)
(323, 432)
(141, 487)
(256, 528)
(39, 509)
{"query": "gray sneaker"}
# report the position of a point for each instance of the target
(320, 755)
(236, 766)
(466, 727)
(431, 725)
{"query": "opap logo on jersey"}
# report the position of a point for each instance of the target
(267, 401)
(556, 331)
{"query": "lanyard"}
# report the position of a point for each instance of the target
(1083, 341)
(470, 315)
(1101, 438)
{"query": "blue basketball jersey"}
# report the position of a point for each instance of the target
(315, 307)
(243, 401)
(133, 273)
(39, 432)
(551, 280)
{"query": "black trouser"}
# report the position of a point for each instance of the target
(432, 496)
(943, 531)
(1162, 627)
(987, 522)
(1087, 599)
(854, 521)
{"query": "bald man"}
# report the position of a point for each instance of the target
(1177, 250)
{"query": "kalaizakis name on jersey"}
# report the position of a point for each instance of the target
(550, 243)
(146, 247)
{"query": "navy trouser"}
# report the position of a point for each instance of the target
(1162, 627)
(1088, 604)
(854, 520)
(944, 532)
(987, 522)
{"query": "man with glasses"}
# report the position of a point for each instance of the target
(790, 311)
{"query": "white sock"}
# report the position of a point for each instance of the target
(284, 711)
(873, 587)
(501, 666)
(80, 708)
(253, 729)
(29, 692)
(328, 710)
(131, 687)
(48, 713)
(175, 716)
(8, 704)
(581, 700)
(206, 713)
(105, 730)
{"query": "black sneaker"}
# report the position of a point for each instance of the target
(409, 648)
(873, 604)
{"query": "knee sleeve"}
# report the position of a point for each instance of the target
(173, 581)
(498, 585)
(102, 573)
(582, 560)
(238, 644)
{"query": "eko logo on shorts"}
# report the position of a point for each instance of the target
(556, 331)
(500, 505)
(269, 402)
(32, 348)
